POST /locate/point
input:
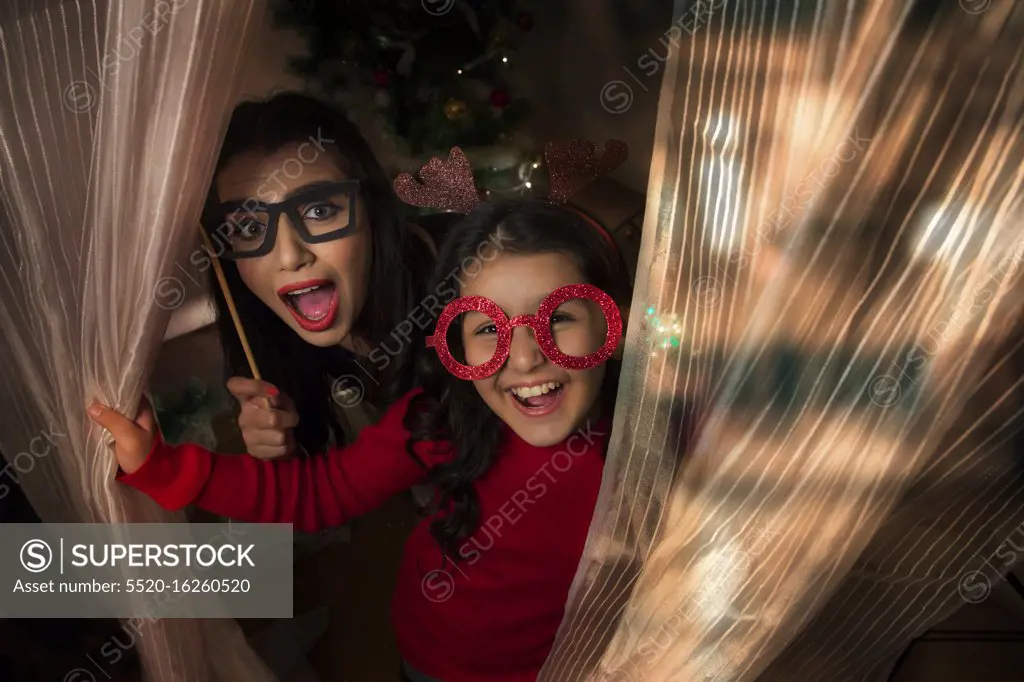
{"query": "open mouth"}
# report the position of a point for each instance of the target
(313, 304)
(538, 400)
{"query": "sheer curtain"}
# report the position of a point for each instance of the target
(823, 379)
(111, 114)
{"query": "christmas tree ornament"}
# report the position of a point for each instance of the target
(500, 98)
(530, 166)
(404, 65)
(455, 109)
(524, 20)
(396, 52)
(498, 42)
(532, 178)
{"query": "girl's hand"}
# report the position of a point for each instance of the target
(267, 418)
(132, 439)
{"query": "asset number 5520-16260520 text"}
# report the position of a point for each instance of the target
(214, 585)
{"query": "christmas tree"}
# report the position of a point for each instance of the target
(436, 70)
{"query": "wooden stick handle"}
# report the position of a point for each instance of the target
(231, 304)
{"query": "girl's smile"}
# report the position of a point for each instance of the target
(539, 400)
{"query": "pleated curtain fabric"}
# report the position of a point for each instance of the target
(111, 116)
(816, 448)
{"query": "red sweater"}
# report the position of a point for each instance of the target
(493, 616)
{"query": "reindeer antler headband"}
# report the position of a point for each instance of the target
(448, 185)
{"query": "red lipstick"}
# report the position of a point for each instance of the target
(313, 303)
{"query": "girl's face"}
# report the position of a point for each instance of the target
(317, 289)
(541, 401)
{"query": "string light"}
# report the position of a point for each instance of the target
(459, 72)
(505, 60)
(667, 327)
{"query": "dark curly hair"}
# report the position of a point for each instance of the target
(450, 409)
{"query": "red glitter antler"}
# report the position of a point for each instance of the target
(446, 185)
(572, 167)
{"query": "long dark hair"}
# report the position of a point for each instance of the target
(301, 370)
(450, 409)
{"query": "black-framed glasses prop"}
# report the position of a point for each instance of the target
(248, 229)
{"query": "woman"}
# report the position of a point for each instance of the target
(321, 266)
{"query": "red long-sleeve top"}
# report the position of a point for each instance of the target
(491, 617)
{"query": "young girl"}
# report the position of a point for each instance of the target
(320, 263)
(510, 426)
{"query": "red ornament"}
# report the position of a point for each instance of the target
(524, 20)
(500, 98)
(381, 78)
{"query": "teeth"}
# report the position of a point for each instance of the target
(534, 391)
(297, 292)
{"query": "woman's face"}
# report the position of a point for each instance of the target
(541, 401)
(317, 289)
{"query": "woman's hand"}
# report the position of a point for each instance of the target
(267, 418)
(132, 439)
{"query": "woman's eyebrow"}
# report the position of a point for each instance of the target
(232, 204)
(309, 187)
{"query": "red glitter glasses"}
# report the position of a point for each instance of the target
(539, 323)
